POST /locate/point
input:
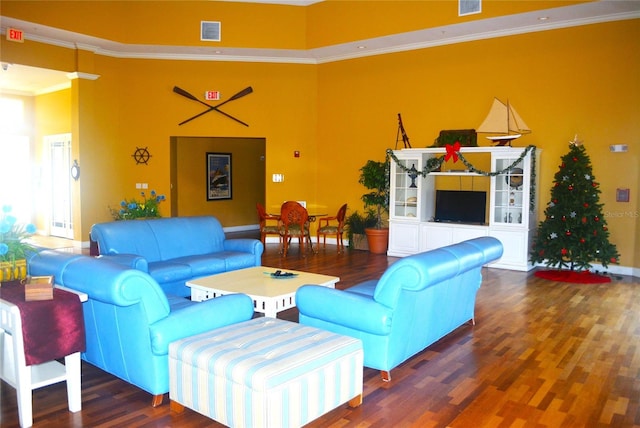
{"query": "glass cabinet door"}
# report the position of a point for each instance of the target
(406, 188)
(509, 191)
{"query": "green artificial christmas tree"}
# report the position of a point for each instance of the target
(574, 232)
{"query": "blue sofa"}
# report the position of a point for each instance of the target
(176, 249)
(418, 300)
(129, 321)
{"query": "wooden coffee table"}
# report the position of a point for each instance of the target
(270, 294)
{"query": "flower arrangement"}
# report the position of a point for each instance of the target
(13, 245)
(132, 209)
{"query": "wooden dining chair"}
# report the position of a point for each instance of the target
(333, 225)
(294, 223)
(267, 225)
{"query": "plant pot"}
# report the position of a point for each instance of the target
(10, 271)
(378, 240)
(359, 242)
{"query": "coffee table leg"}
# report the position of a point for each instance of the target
(270, 307)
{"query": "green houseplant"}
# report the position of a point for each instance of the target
(375, 177)
(356, 223)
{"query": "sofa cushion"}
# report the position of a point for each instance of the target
(206, 264)
(126, 237)
(186, 236)
(164, 272)
(366, 288)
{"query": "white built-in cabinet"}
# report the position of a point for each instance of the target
(511, 211)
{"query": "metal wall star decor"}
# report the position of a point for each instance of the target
(575, 142)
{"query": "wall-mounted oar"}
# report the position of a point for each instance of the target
(245, 91)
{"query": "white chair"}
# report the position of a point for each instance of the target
(25, 379)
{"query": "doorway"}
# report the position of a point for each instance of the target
(15, 174)
(189, 179)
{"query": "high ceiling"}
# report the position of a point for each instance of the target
(24, 80)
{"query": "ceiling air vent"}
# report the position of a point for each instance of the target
(469, 7)
(210, 31)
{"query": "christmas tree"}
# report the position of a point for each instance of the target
(574, 231)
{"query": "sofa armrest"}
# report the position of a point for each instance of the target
(132, 261)
(253, 246)
(339, 307)
(199, 318)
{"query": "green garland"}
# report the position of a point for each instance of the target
(434, 164)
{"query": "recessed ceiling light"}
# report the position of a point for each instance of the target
(543, 18)
(362, 47)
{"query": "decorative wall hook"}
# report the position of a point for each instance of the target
(75, 170)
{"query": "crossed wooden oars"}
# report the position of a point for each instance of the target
(242, 93)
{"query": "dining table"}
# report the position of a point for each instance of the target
(311, 218)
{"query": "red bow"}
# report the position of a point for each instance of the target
(452, 151)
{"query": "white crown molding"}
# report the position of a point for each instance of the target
(81, 75)
(556, 18)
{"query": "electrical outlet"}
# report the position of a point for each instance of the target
(138, 185)
(145, 185)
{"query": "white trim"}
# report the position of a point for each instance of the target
(561, 17)
(245, 228)
(81, 75)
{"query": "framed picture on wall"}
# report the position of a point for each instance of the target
(218, 176)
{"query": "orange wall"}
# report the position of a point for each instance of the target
(578, 80)
(561, 82)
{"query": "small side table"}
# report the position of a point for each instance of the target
(25, 379)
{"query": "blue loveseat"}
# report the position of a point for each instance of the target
(176, 249)
(129, 321)
(418, 300)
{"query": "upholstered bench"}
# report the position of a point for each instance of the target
(265, 372)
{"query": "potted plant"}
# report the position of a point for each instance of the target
(14, 247)
(356, 223)
(133, 209)
(375, 177)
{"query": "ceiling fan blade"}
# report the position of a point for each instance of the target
(207, 111)
(242, 93)
(184, 93)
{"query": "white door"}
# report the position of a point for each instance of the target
(61, 223)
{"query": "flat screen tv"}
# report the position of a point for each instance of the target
(461, 206)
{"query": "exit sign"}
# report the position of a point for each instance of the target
(15, 35)
(212, 95)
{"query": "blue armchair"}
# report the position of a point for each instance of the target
(418, 300)
(129, 321)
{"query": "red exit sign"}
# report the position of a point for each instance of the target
(212, 95)
(15, 35)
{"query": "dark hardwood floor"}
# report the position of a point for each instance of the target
(542, 354)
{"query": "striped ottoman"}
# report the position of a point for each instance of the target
(265, 372)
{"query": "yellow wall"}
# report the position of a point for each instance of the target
(577, 80)
(561, 82)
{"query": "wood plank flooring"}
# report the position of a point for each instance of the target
(542, 354)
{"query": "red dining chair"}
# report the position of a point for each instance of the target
(333, 225)
(294, 223)
(265, 227)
